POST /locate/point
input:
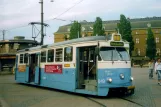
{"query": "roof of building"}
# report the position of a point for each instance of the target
(18, 39)
(137, 23)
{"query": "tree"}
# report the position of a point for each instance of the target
(75, 31)
(97, 27)
(151, 45)
(125, 30)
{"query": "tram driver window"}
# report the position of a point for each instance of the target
(43, 56)
(21, 58)
(51, 55)
(68, 54)
(59, 53)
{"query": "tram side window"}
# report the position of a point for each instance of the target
(43, 56)
(21, 58)
(51, 55)
(68, 54)
(26, 58)
(59, 53)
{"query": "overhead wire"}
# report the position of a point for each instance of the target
(56, 18)
(68, 9)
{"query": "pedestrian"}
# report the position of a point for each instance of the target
(151, 68)
(158, 70)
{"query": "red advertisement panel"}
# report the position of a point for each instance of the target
(53, 69)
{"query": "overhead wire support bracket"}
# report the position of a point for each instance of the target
(34, 35)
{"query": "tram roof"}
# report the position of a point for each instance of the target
(77, 40)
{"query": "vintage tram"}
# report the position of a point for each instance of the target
(90, 65)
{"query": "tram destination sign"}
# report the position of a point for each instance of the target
(53, 69)
(116, 43)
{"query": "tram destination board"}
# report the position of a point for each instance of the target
(116, 43)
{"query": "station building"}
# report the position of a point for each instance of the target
(8, 49)
(139, 32)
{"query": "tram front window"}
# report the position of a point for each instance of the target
(114, 54)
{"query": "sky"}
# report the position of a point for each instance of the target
(15, 15)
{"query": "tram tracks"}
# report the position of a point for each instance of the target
(103, 105)
(131, 101)
(96, 101)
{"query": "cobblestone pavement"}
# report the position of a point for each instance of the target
(147, 93)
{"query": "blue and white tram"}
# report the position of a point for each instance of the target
(90, 65)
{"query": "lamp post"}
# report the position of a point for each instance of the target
(78, 29)
(42, 21)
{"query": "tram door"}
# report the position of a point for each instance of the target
(86, 65)
(34, 68)
(80, 66)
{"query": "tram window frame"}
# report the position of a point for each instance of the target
(21, 59)
(26, 58)
(50, 57)
(43, 56)
(68, 57)
(59, 55)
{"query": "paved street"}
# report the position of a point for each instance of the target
(12, 94)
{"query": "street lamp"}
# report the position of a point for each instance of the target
(42, 21)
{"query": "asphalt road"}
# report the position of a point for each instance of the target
(12, 94)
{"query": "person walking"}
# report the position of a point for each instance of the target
(151, 68)
(158, 70)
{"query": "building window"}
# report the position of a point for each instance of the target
(51, 55)
(68, 29)
(43, 56)
(59, 57)
(16, 46)
(157, 40)
(21, 58)
(145, 39)
(104, 27)
(139, 52)
(83, 29)
(68, 54)
(158, 52)
(11, 46)
(137, 40)
(136, 32)
(91, 27)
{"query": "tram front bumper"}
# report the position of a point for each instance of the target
(131, 87)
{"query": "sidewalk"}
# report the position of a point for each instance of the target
(155, 90)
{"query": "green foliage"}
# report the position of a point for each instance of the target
(97, 27)
(75, 31)
(151, 45)
(125, 30)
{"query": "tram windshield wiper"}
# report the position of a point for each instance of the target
(121, 56)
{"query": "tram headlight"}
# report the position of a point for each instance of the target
(122, 76)
(131, 78)
(109, 80)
